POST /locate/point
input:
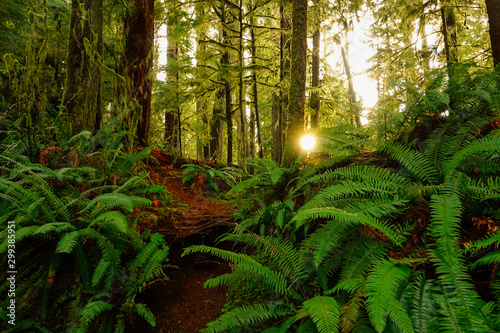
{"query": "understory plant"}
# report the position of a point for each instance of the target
(404, 241)
(81, 264)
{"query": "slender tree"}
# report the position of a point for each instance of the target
(172, 113)
(314, 102)
(352, 93)
(295, 117)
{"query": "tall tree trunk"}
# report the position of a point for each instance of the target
(297, 94)
(352, 93)
(202, 148)
(255, 90)
(277, 151)
(449, 30)
(227, 88)
(172, 120)
(314, 101)
(280, 103)
(243, 146)
(82, 97)
(493, 9)
(140, 40)
(215, 147)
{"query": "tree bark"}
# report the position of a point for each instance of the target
(314, 102)
(140, 40)
(298, 71)
(255, 90)
(280, 102)
(82, 97)
(352, 93)
(493, 9)
(172, 121)
(449, 30)
(202, 149)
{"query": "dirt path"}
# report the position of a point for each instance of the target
(181, 304)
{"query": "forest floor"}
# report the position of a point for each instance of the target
(181, 304)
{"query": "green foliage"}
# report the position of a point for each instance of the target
(371, 247)
(78, 255)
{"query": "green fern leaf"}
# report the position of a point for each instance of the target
(413, 160)
(324, 312)
(68, 242)
(381, 289)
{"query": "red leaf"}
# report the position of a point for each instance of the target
(155, 203)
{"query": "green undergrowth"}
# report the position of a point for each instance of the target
(372, 237)
(81, 262)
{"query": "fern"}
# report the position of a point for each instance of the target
(324, 312)
(381, 293)
(413, 160)
(247, 315)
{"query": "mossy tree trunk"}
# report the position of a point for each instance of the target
(314, 102)
(449, 30)
(280, 101)
(82, 97)
(139, 62)
(172, 114)
(493, 9)
(298, 71)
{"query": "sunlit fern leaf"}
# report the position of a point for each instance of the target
(488, 144)
(280, 251)
(332, 213)
(382, 285)
(272, 278)
(246, 315)
(324, 312)
(370, 174)
(349, 189)
(143, 311)
(413, 160)
(90, 312)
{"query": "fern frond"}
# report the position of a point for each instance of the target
(143, 311)
(342, 216)
(487, 144)
(381, 290)
(90, 312)
(280, 251)
(247, 315)
(324, 312)
(413, 160)
(272, 278)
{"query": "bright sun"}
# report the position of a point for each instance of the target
(308, 142)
